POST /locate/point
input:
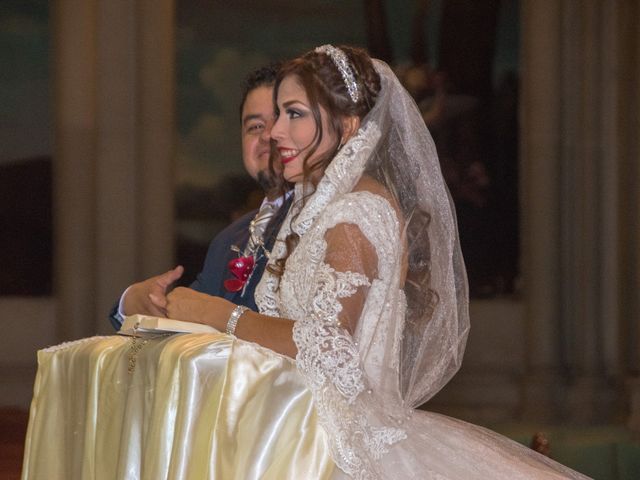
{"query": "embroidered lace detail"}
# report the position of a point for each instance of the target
(331, 285)
(328, 357)
(354, 443)
(341, 175)
(325, 349)
(266, 296)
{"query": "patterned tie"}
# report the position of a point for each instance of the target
(257, 227)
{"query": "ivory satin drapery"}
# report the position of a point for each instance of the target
(197, 406)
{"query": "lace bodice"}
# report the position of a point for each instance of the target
(338, 367)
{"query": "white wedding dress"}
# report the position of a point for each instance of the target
(369, 347)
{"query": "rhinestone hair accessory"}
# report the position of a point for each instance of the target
(341, 61)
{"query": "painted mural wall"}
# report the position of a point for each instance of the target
(458, 58)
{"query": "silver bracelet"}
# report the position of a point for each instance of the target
(233, 318)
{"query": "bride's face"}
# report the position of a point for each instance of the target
(295, 131)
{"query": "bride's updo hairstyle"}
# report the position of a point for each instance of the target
(323, 81)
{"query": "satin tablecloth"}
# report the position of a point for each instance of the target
(197, 406)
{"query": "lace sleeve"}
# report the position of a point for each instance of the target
(346, 267)
(340, 288)
(353, 261)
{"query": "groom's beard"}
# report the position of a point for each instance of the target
(266, 181)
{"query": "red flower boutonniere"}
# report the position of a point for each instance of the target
(241, 268)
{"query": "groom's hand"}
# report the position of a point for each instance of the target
(149, 297)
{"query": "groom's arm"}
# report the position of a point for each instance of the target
(209, 280)
(215, 268)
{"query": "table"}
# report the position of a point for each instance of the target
(194, 406)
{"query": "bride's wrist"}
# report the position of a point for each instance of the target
(234, 318)
(220, 312)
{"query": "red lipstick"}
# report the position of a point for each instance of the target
(286, 160)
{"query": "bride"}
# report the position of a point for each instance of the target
(366, 285)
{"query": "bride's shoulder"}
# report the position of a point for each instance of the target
(369, 202)
(369, 186)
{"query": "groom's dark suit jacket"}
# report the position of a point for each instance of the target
(214, 272)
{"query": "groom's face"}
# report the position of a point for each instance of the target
(257, 120)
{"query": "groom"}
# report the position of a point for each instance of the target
(249, 236)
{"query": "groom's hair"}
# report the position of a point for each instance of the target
(261, 77)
